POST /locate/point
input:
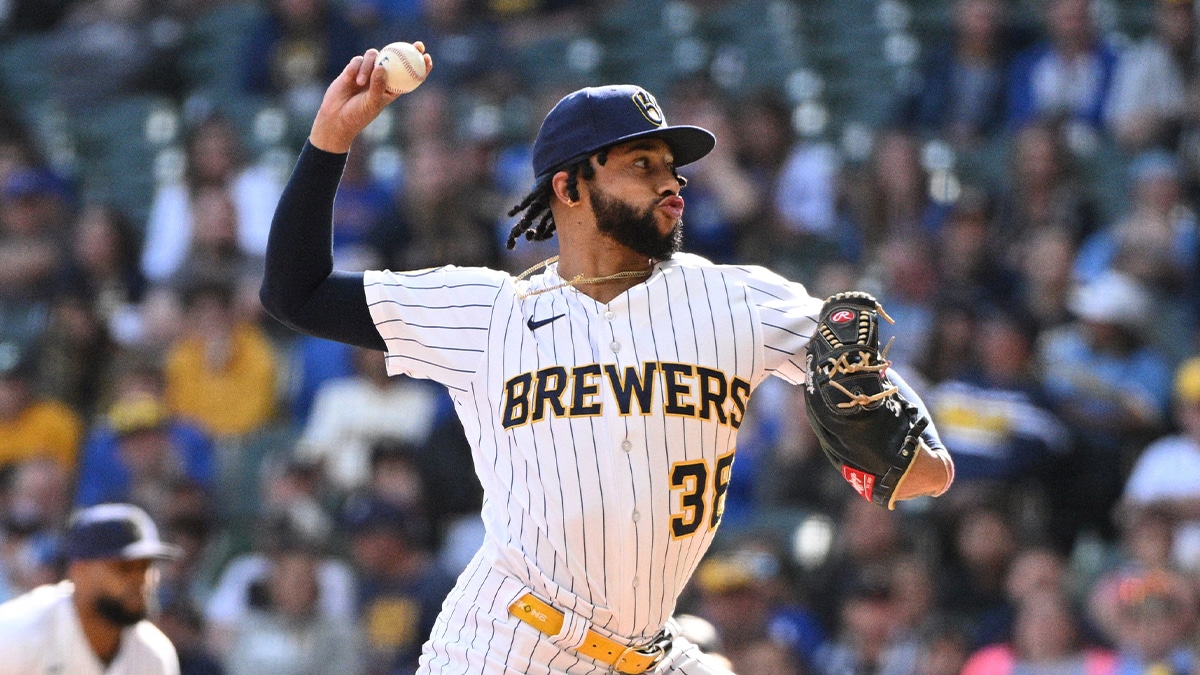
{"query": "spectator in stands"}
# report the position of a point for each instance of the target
(1110, 388)
(745, 592)
(133, 46)
(400, 588)
(445, 202)
(1046, 281)
(1068, 76)
(216, 158)
(469, 40)
(762, 139)
(1046, 639)
(297, 47)
(945, 648)
(950, 347)
(1147, 538)
(867, 541)
(968, 265)
(1043, 191)
(984, 546)
(961, 89)
(867, 637)
(33, 215)
(1166, 477)
(1034, 571)
(214, 250)
(1151, 87)
(892, 199)
(74, 351)
(141, 453)
(244, 583)
(907, 278)
(782, 199)
(806, 222)
(285, 631)
(1150, 618)
(33, 509)
(103, 269)
(378, 21)
(184, 627)
(193, 519)
(350, 414)
(28, 560)
(1155, 242)
(38, 496)
(400, 477)
(995, 415)
(32, 426)
(222, 373)
(914, 597)
(767, 656)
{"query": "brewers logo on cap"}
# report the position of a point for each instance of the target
(649, 107)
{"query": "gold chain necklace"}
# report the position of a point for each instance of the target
(579, 279)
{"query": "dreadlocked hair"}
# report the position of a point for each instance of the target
(537, 222)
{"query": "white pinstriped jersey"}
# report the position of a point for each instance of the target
(40, 634)
(603, 434)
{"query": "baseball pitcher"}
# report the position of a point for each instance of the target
(602, 390)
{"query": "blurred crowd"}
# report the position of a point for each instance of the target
(1016, 181)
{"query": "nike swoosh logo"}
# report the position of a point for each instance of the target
(534, 325)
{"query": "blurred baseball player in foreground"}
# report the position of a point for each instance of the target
(603, 393)
(94, 623)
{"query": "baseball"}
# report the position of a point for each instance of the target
(405, 67)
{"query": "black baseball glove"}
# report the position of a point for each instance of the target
(867, 429)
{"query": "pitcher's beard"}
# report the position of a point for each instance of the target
(634, 229)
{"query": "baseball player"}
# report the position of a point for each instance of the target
(94, 622)
(601, 391)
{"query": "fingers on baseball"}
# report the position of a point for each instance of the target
(366, 67)
(420, 46)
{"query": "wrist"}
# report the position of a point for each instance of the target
(328, 144)
(326, 135)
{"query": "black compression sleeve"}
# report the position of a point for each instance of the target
(299, 286)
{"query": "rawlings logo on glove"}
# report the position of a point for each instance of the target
(866, 428)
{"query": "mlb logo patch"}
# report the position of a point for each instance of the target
(862, 482)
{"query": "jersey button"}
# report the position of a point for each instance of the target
(609, 316)
(626, 446)
(635, 582)
(616, 347)
(636, 516)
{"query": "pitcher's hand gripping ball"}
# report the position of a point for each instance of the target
(867, 429)
(405, 67)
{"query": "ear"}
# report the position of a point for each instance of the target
(558, 183)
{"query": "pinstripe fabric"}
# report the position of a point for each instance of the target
(604, 435)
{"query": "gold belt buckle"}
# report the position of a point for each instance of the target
(657, 648)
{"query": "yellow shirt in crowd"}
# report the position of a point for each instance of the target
(46, 428)
(233, 400)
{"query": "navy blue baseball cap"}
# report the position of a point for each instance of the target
(115, 532)
(594, 118)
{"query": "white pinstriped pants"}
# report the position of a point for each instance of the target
(476, 635)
